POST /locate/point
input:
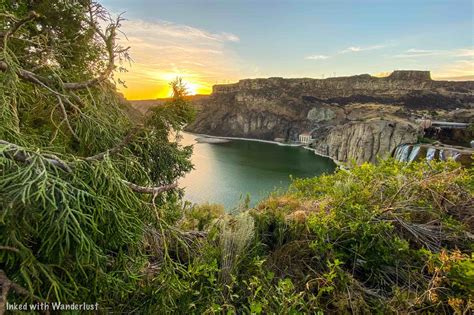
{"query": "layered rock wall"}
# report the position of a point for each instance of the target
(359, 117)
(365, 141)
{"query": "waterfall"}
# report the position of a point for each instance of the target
(396, 154)
(402, 152)
(442, 156)
(414, 153)
(430, 154)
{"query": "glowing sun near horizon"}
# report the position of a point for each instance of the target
(191, 88)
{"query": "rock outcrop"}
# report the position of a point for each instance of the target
(364, 141)
(350, 118)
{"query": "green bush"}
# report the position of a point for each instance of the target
(90, 212)
(385, 238)
(363, 240)
(201, 217)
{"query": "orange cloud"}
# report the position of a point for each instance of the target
(459, 70)
(162, 51)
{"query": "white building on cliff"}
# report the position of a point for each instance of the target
(305, 138)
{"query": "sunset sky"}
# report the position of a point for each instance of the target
(209, 42)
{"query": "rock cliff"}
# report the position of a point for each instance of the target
(358, 117)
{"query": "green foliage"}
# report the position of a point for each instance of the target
(365, 237)
(470, 128)
(77, 232)
(201, 217)
(384, 238)
(424, 140)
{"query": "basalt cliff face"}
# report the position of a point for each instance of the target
(349, 118)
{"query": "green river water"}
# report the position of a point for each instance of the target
(226, 171)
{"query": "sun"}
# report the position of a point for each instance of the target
(191, 88)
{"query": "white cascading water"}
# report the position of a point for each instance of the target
(430, 154)
(456, 156)
(397, 153)
(414, 153)
(402, 152)
(411, 152)
(441, 155)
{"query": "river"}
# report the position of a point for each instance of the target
(226, 171)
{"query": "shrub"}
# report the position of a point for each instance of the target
(382, 237)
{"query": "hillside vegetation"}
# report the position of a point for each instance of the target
(385, 238)
(90, 210)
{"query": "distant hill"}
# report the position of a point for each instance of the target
(144, 105)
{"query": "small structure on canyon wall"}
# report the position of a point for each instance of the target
(305, 138)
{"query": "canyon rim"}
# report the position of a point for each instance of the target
(355, 118)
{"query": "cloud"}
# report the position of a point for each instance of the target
(351, 49)
(460, 69)
(317, 57)
(464, 53)
(418, 53)
(179, 31)
(230, 37)
(163, 50)
(355, 49)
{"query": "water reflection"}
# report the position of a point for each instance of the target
(226, 171)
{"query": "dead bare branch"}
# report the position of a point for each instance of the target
(150, 190)
(66, 119)
(117, 148)
(10, 248)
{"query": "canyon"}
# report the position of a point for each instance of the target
(356, 118)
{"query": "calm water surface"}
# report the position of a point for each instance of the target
(226, 171)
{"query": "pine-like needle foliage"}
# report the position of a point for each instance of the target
(81, 183)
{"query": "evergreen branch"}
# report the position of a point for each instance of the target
(7, 285)
(37, 79)
(17, 153)
(24, 74)
(31, 16)
(10, 248)
(31, 77)
(130, 136)
(110, 45)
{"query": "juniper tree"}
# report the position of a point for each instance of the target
(82, 182)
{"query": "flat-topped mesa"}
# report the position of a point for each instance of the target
(301, 83)
(416, 75)
(399, 82)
